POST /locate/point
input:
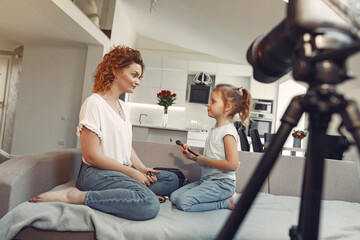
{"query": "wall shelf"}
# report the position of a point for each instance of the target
(48, 22)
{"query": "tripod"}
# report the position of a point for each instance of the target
(319, 61)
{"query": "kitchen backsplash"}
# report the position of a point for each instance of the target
(192, 116)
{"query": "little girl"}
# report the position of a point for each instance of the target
(216, 188)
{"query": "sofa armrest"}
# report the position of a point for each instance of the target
(26, 176)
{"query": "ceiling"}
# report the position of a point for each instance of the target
(44, 22)
(222, 28)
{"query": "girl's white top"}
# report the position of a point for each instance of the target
(215, 148)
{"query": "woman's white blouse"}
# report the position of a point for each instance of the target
(115, 134)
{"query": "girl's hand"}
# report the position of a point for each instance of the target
(185, 151)
(150, 174)
(201, 160)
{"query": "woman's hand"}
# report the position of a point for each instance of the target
(149, 173)
(140, 177)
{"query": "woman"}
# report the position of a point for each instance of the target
(113, 179)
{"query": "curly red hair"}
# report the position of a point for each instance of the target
(119, 58)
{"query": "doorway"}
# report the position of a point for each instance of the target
(287, 90)
(5, 62)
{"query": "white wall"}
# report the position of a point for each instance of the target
(287, 90)
(123, 31)
(49, 98)
(4, 64)
(93, 58)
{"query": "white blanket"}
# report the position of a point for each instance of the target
(269, 218)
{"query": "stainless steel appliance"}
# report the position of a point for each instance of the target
(263, 122)
(262, 106)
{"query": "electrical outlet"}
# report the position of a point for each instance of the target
(61, 142)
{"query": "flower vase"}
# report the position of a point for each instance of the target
(165, 118)
(297, 143)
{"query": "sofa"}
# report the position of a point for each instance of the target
(26, 176)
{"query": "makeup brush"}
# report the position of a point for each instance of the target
(178, 142)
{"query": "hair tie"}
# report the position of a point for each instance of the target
(240, 89)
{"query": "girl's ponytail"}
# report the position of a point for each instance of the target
(245, 104)
(240, 99)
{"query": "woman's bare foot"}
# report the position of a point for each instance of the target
(231, 202)
(67, 195)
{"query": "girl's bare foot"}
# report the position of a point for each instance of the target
(231, 202)
(67, 195)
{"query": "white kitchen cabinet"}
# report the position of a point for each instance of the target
(234, 80)
(180, 97)
(158, 134)
(152, 63)
(195, 67)
(196, 139)
(156, 80)
(149, 86)
(234, 70)
(174, 80)
(172, 64)
(144, 94)
(152, 78)
(166, 136)
(140, 134)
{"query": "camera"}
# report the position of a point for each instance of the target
(271, 56)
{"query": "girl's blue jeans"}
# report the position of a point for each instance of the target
(118, 194)
(203, 195)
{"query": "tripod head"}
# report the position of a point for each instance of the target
(320, 57)
(314, 30)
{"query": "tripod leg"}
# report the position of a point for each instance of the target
(289, 120)
(351, 118)
(313, 178)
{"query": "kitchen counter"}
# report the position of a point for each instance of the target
(159, 134)
(160, 127)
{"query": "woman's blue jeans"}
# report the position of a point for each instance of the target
(203, 195)
(118, 194)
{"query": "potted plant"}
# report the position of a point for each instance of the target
(166, 99)
(298, 135)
